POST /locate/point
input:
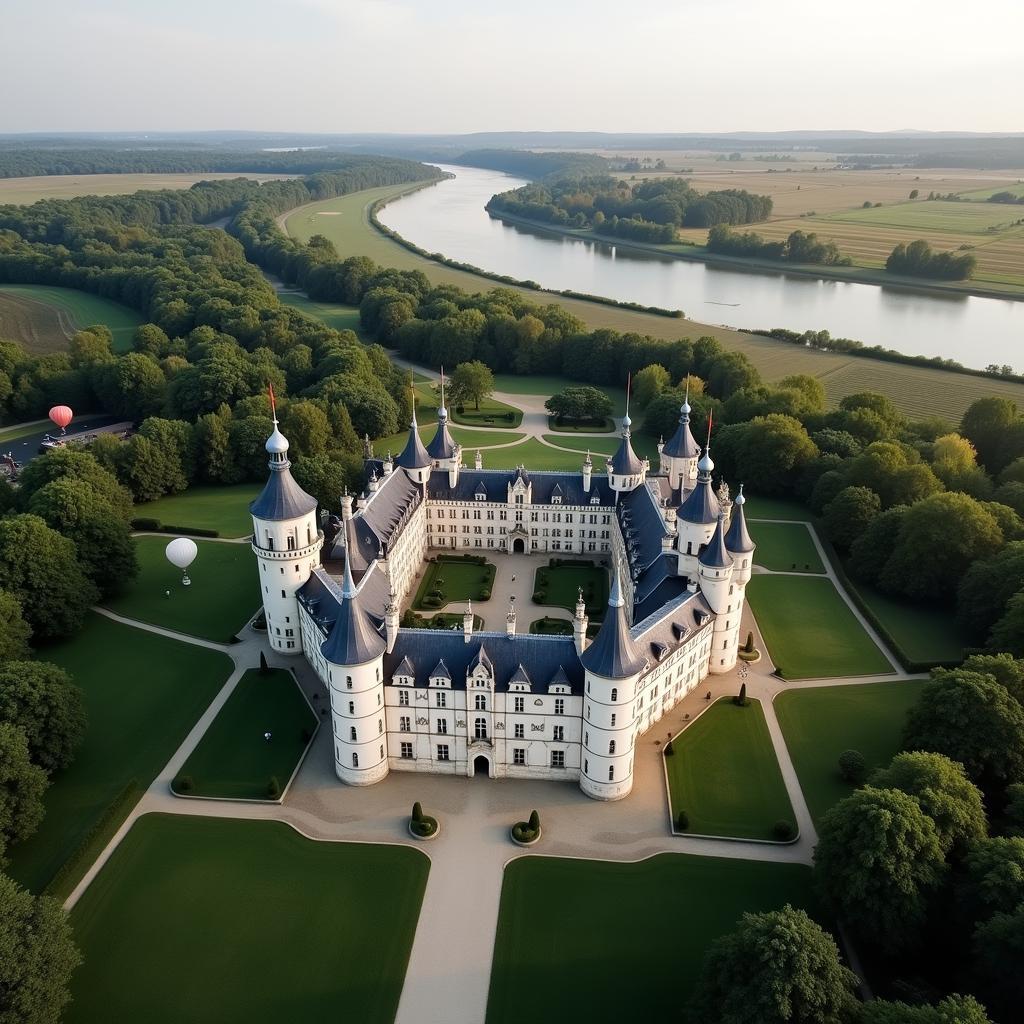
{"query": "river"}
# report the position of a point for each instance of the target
(450, 218)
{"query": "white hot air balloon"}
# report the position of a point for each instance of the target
(182, 553)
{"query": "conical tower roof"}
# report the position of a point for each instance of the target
(353, 640)
(414, 455)
(625, 461)
(281, 498)
(441, 445)
(614, 654)
(737, 539)
(681, 444)
(714, 556)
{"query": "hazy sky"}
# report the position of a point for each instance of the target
(468, 65)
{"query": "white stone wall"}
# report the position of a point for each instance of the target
(358, 722)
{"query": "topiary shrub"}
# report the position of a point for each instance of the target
(417, 811)
(184, 784)
(669, 749)
(420, 824)
(783, 830)
(485, 594)
(534, 821)
(273, 788)
(741, 699)
(146, 524)
(852, 766)
(748, 644)
(682, 821)
(539, 596)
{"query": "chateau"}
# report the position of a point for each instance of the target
(504, 702)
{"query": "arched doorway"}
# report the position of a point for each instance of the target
(481, 766)
(519, 546)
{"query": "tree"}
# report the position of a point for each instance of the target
(76, 465)
(1014, 810)
(40, 568)
(37, 956)
(943, 791)
(970, 718)
(648, 383)
(132, 386)
(472, 382)
(938, 540)
(992, 426)
(41, 700)
(174, 444)
(1007, 633)
(1006, 670)
(249, 446)
(999, 952)
(326, 477)
(852, 767)
(877, 861)
(212, 443)
(766, 453)
(992, 880)
(22, 785)
(986, 588)
(778, 966)
(849, 514)
(307, 428)
(954, 463)
(579, 403)
(15, 632)
(955, 1009)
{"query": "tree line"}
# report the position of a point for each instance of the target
(799, 247)
(917, 259)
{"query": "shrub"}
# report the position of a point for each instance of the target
(669, 749)
(193, 530)
(539, 596)
(682, 821)
(522, 832)
(184, 784)
(417, 812)
(426, 826)
(748, 646)
(145, 524)
(485, 594)
(306, 734)
(534, 821)
(783, 830)
(273, 788)
(741, 699)
(432, 602)
(852, 766)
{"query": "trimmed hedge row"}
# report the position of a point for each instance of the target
(148, 525)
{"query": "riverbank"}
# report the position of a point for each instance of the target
(700, 254)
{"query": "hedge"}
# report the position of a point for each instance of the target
(147, 525)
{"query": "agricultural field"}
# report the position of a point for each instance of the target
(677, 904)
(20, 191)
(43, 318)
(143, 693)
(208, 919)
(935, 215)
(820, 722)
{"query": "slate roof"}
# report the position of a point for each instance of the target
(550, 658)
(737, 539)
(714, 556)
(281, 497)
(613, 654)
(386, 512)
(414, 455)
(681, 444)
(497, 481)
(701, 504)
(673, 623)
(441, 444)
(642, 527)
(625, 461)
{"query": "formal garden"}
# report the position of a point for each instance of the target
(253, 746)
(809, 629)
(724, 778)
(559, 917)
(821, 722)
(560, 583)
(143, 693)
(449, 578)
(223, 595)
(214, 919)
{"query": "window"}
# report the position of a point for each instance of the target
(406, 749)
(348, 682)
(519, 703)
(403, 698)
(480, 729)
(559, 706)
(558, 733)
(611, 746)
(481, 702)
(615, 694)
(404, 724)
(291, 543)
(519, 755)
(442, 752)
(586, 767)
(442, 699)
(611, 773)
(351, 707)
(520, 731)
(382, 751)
(613, 719)
(283, 594)
(380, 727)
(557, 758)
(442, 726)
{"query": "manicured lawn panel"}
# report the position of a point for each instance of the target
(470, 440)
(643, 445)
(224, 509)
(214, 920)
(725, 775)
(461, 580)
(539, 384)
(557, 947)
(785, 547)
(225, 589)
(551, 627)
(561, 586)
(809, 629)
(775, 508)
(334, 314)
(923, 632)
(820, 722)
(142, 695)
(234, 760)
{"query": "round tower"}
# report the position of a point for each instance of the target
(626, 471)
(696, 518)
(354, 651)
(445, 453)
(613, 665)
(286, 540)
(679, 456)
(715, 574)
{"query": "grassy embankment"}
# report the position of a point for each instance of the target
(218, 920)
(917, 391)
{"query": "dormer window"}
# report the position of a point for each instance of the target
(480, 497)
(556, 499)
(595, 500)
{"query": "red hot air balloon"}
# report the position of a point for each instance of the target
(62, 416)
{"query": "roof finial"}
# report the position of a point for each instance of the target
(615, 599)
(442, 411)
(626, 421)
(711, 416)
(348, 587)
(273, 403)
(687, 399)
(412, 398)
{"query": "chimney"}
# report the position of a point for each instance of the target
(588, 468)
(391, 620)
(467, 622)
(478, 460)
(346, 506)
(579, 624)
(510, 621)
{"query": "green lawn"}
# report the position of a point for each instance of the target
(606, 446)
(83, 310)
(809, 630)
(725, 775)
(225, 589)
(539, 384)
(458, 580)
(234, 760)
(551, 627)
(820, 722)
(561, 587)
(490, 414)
(334, 314)
(923, 633)
(142, 695)
(558, 952)
(469, 439)
(214, 921)
(224, 509)
(785, 547)
(775, 508)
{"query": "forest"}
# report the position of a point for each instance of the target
(650, 210)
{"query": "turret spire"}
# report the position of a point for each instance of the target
(614, 654)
